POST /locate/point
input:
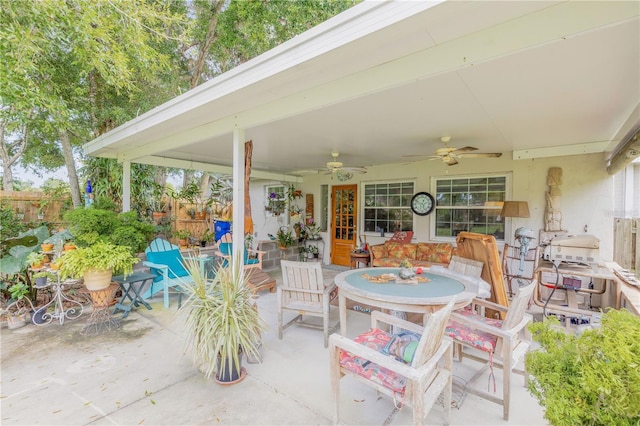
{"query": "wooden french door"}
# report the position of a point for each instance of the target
(344, 219)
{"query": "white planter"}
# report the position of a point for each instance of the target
(97, 279)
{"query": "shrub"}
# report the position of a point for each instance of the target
(10, 226)
(89, 226)
(92, 225)
(593, 378)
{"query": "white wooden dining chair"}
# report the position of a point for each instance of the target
(505, 342)
(305, 292)
(411, 372)
(464, 266)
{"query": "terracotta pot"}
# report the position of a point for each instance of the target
(68, 247)
(97, 279)
(46, 247)
(158, 216)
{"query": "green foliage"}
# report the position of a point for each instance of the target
(182, 234)
(101, 255)
(18, 291)
(89, 226)
(284, 238)
(590, 379)
(219, 316)
(105, 203)
(132, 232)
(10, 226)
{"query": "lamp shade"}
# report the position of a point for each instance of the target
(515, 209)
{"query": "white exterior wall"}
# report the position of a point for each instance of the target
(587, 193)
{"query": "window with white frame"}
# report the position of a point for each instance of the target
(387, 207)
(276, 199)
(470, 204)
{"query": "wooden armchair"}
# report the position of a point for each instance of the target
(504, 341)
(414, 372)
(305, 292)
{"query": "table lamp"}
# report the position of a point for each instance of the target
(515, 209)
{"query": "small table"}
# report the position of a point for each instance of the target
(133, 283)
(359, 257)
(422, 298)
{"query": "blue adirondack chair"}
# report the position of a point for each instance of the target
(166, 261)
(252, 258)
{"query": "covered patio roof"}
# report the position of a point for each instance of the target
(387, 79)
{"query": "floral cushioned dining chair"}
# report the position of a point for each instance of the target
(411, 374)
(504, 341)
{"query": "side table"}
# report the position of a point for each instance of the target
(101, 317)
(132, 284)
(359, 257)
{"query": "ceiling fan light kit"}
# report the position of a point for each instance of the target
(338, 168)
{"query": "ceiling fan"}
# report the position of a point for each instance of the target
(448, 155)
(338, 168)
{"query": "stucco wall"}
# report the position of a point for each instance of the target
(587, 193)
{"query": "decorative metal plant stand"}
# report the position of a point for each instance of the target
(57, 301)
(101, 317)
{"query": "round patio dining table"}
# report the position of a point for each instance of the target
(423, 297)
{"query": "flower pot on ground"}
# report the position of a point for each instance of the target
(221, 320)
(182, 236)
(37, 315)
(46, 247)
(98, 261)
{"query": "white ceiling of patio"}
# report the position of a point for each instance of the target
(387, 79)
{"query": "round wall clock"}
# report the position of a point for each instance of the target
(422, 203)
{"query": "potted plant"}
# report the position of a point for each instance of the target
(284, 238)
(35, 259)
(221, 320)
(97, 263)
(183, 237)
(159, 202)
(18, 306)
(590, 378)
(42, 277)
(206, 237)
(221, 198)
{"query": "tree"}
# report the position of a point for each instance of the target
(71, 68)
(75, 69)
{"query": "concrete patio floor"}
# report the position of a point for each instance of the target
(138, 374)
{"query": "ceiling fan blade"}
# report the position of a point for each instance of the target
(463, 149)
(451, 161)
(355, 169)
(306, 172)
(431, 157)
(481, 155)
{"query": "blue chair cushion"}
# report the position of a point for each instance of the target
(225, 248)
(171, 258)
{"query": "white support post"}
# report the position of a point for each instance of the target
(126, 186)
(238, 199)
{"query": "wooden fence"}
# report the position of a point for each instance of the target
(626, 244)
(34, 206)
